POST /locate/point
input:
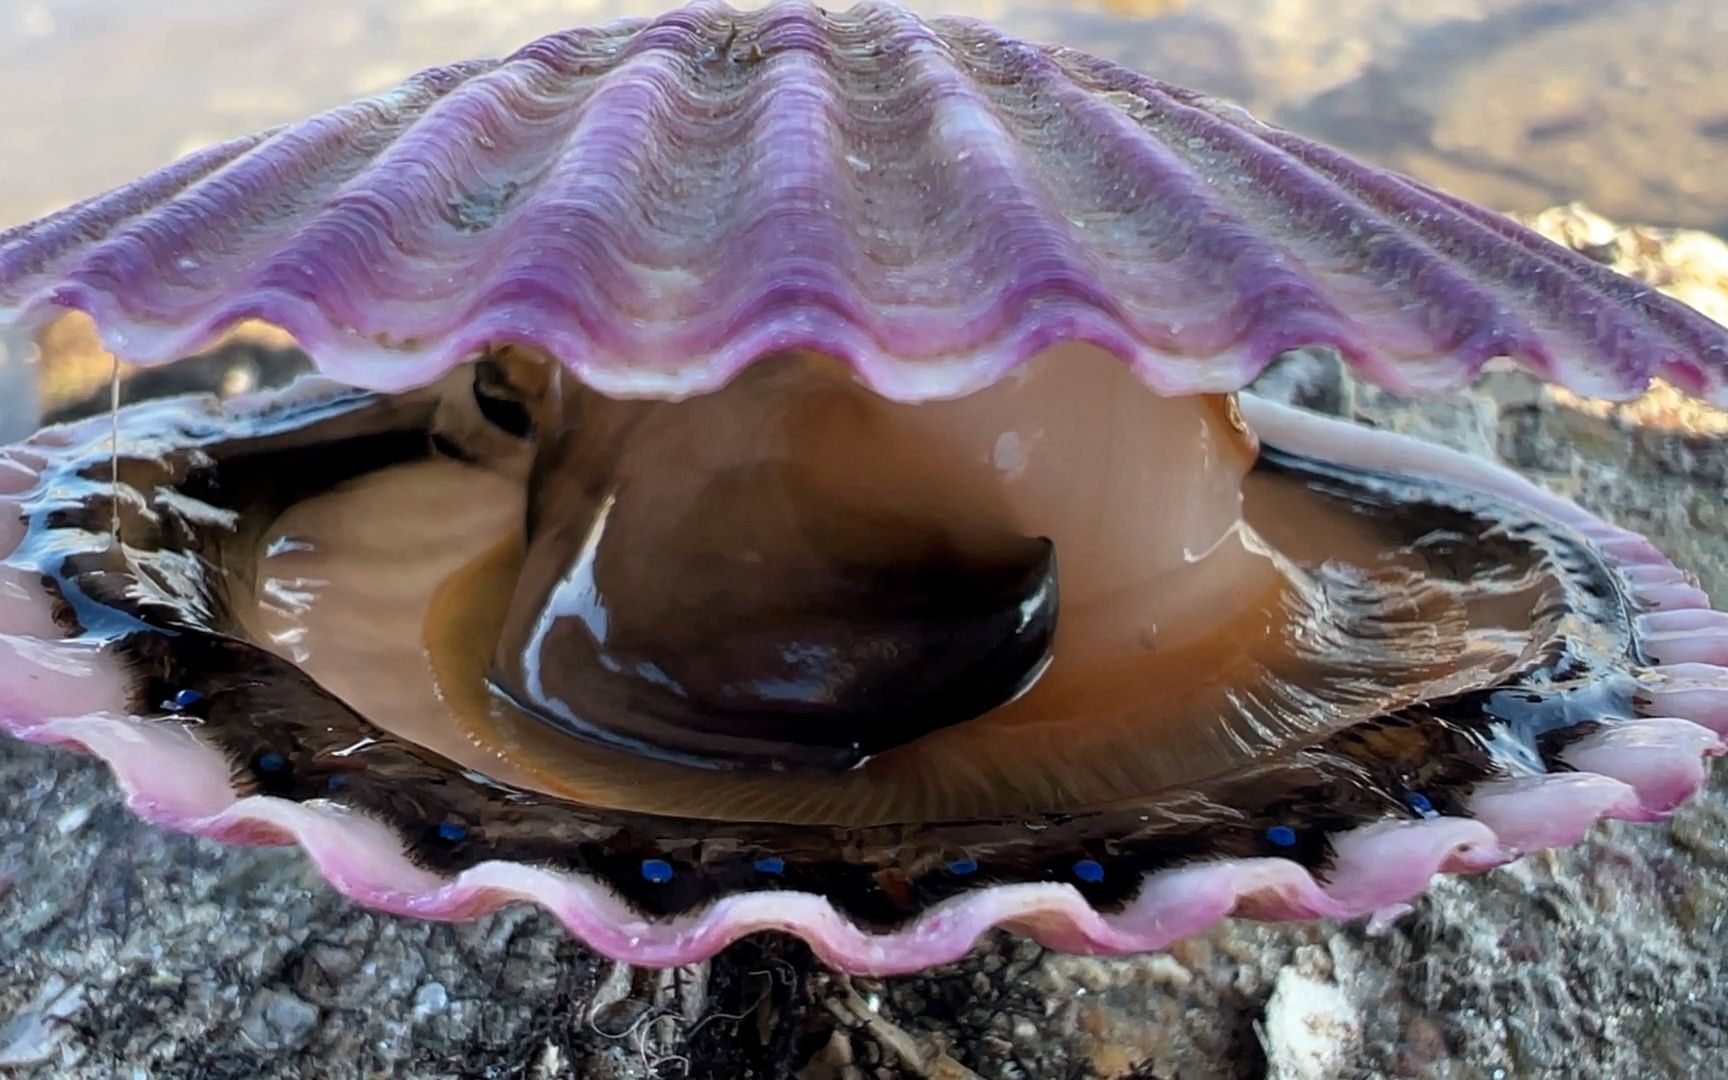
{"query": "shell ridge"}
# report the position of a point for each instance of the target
(133, 259)
(1587, 303)
(665, 33)
(346, 232)
(1008, 227)
(1497, 331)
(1191, 217)
(1449, 295)
(28, 250)
(383, 223)
(550, 49)
(588, 266)
(596, 163)
(1034, 241)
(1701, 364)
(794, 285)
(786, 235)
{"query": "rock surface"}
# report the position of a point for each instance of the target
(125, 950)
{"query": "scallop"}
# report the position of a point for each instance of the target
(791, 470)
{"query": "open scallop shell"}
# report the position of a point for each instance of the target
(660, 203)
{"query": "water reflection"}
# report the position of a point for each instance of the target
(1518, 104)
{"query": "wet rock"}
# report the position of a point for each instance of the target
(431, 999)
(278, 1020)
(32, 1035)
(1310, 1030)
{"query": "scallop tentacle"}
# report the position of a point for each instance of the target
(57, 692)
(659, 203)
(1696, 691)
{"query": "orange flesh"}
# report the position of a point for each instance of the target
(391, 592)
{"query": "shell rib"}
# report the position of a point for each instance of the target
(66, 692)
(658, 203)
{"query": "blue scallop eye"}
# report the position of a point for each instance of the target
(272, 763)
(1281, 836)
(185, 699)
(658, 871)
(1419, 803)
(1089, 870)
(962, 866)
(451, 832)
(772, 864)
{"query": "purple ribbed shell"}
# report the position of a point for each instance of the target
(658, 203)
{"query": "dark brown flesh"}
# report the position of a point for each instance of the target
(704, 586)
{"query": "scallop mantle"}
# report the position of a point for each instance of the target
(659, 203)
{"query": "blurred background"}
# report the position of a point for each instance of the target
(1515, 104)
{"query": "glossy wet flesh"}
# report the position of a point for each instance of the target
(1507, 698)
(723, 606)
(795, 572)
